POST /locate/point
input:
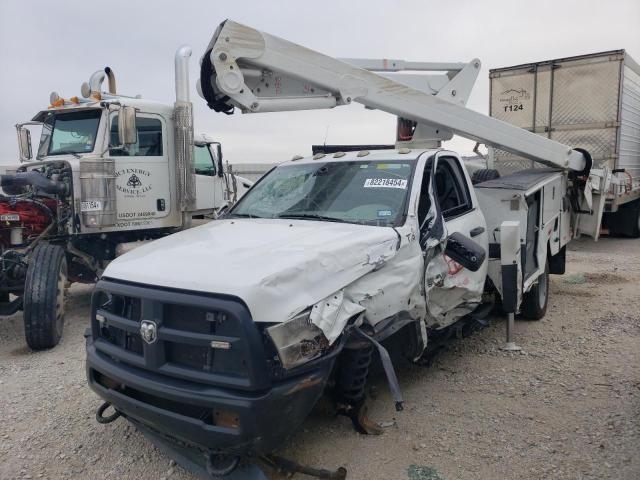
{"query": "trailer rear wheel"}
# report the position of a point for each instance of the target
(44, 296)
(535, 301)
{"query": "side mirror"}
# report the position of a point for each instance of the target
(127, 132)
(465, 251)
(219, 166)
(24, 144)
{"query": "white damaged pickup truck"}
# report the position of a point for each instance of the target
(218, 341)
(210, 337)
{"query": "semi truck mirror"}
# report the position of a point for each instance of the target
(465, 251)
(127, 132)
(24, 143)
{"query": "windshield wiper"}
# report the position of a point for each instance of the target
(312, 216)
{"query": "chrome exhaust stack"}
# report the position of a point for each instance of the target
(185, 171)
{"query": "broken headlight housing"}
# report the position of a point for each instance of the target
(298, 340)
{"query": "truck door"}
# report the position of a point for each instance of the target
(142, 173)
(447, 199)
(208, 188)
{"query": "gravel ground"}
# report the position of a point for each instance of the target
(568, 406)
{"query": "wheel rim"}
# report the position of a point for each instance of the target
(542, 289)
(62, 283)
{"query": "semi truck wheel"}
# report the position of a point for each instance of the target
(483, 175)
(44, 296)
(534, 302)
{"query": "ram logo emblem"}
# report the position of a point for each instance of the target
(149, 331)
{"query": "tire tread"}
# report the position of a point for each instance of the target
(40, 296)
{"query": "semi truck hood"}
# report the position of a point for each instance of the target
(277, 267)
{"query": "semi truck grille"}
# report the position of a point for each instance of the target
(190, 336)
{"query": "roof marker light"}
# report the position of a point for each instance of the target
(339, 155)
(318, 156)
(363, 153)
(404, 150)
(296, 157)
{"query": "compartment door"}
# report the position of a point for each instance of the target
(592, 201)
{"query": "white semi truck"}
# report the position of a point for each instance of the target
(218, 341)
(111, 171)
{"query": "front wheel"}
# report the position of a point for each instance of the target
(535, 301)
(44, 296)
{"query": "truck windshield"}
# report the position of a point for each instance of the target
(69, 132)
(365, 192)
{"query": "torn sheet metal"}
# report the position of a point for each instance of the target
(451, 290)
(332, 313)
(392, 287)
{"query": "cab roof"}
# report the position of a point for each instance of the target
(406, 154)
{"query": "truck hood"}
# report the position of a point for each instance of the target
(277, 267)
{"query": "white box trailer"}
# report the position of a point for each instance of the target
(588, 101)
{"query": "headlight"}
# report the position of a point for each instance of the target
(298, 340)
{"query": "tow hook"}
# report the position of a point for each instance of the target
(100, 418)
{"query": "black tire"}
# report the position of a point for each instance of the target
(483, 175)
(535, 301)
(44, 296)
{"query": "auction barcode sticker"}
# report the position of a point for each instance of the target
(385, 183)
(91, 206)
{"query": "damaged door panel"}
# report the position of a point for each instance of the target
(451, 290)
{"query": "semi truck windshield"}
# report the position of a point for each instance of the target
(366, 192)
(72, 132)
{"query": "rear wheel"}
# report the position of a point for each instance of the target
(44, 296)
(535, 301)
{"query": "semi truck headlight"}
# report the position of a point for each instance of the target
(298, 340)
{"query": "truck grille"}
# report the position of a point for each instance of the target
(179, 330)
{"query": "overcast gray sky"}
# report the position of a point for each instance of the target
(56, 45)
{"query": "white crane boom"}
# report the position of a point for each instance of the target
(258, 72)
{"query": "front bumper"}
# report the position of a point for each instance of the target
(181, 390)
(246, 424)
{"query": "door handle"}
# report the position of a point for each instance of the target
(476, 231)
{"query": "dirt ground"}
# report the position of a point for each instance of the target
(568, 406)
